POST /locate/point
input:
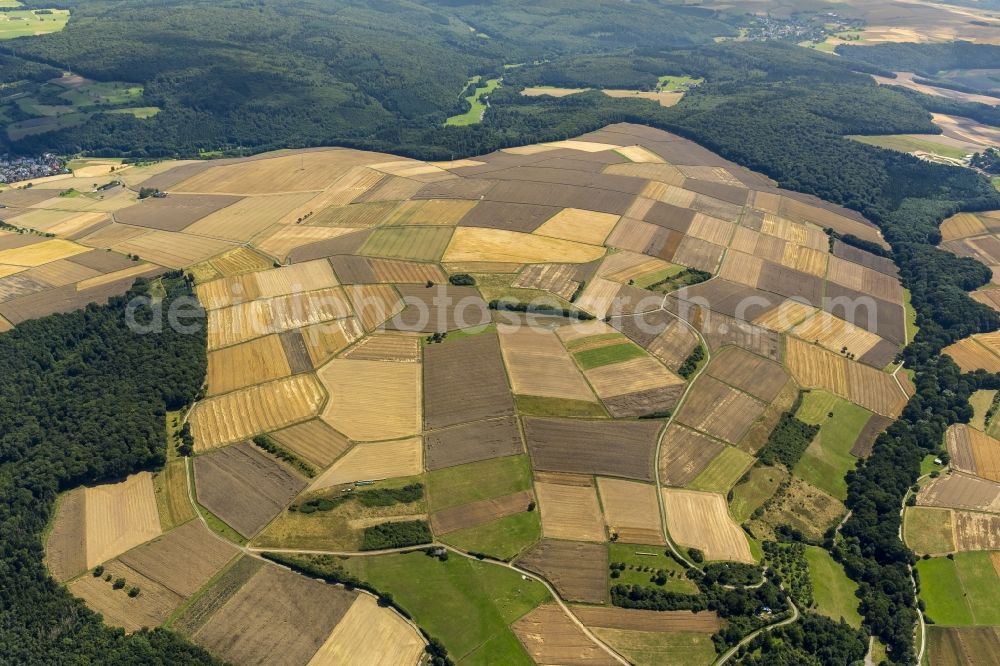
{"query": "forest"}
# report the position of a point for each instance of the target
(84, 402)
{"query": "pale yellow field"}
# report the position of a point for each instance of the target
(236, 416)
(741, 268)
(5, 325)
(374, 304)
(711, 229)
(874, 390)
(254, 362)
(632, 234)
(631, 510)
(666, 98)
(398, 348)
(248, 217)
(539, 365)
(408, 168)
(702, 520)
(578, 330)
(637, 374)
(545, 91)
(173, 250)
(814, 367)
(303, 172)
(286, 238)
(962, 225)
(823, 218)
(640, 155)
(57, 222)
(805, 259)
(246, 321)
(570, 512)
(113, 235)
(598, 298)
(41, 253)
(373, 400)
(325, 340)
(430, 211)
(119, 516)
(308, 276)
(374, 461)
(794, 232)
(582, 146)
(582, 226)
(108, 278)
(670, 194)
(626, 265)
(349, 187)
(971, 356)
(835, 334)
(664, 173)
(480, 244)
(369, 635)
(62, 272)
(241, 260)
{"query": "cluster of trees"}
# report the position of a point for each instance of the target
(370, 498)
(812, 641)
(396, 535)
(988, 161)
(539, 309)
(787, 562)
(84, 400)
(266, 443)
(690, 364)
(789, 439)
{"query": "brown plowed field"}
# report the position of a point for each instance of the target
(960, 491)
(706, 622)
(374, 304)
(673, 345)
(406, 272)
(958, 439)
(539, 365)
(874, 390)
(284, 240)
(524, 218)
(66, 548)
(242, 414)
(963, 646)
(719, 410)
(314, 440)
(702, 520)
(866, 438)
(464, 380)
(399, 348)
(373, 462)
(631, 510)
(760, 430)
(621, 449)
(570, 512)
(254, 362)
(295, 351)
(550, 637)
(478, 513)
(685, 454)
(634, 235)
(278, 618)
(174, 213)
(471, 442)
(578, 571)
(699, 254)
(976, 531)
(173, 250)
(372, 401)
(244, 486)
(150, 609)
(643, 403)
(439, 309)
(557, 279)
(216, 595)
(183, 560)
(748, 372)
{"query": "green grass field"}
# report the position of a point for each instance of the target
(104, 93)
(475, 114)
(928, 530)
(467, 604)
(595, 358)
(654, 648)
(25, 23)
(724, 471)
(911, 316)
(678, 83)
(833, 591)
(996, 182)
(960, 591)
(757, 489)
(417, 243)
(5, 4)
(140, 112)
(533, 405)
(655, 558)
(658, 276)
(505, 538)
(829, 458)
(906, 143)
(19, 130)
(455, 486)
(573, 344)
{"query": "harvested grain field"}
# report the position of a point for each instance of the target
(65, 548)
(370, 635)
(245, 219)
(623, 448)
(471, 442)
(971, 356)
(417, 243)
(325, 340)
(962, 646)
(372, 400)
(835, 334)
(550, 637)
(498, 245)
(581, 226)
(373, 462)
(173, 250)
(749, 372)
(631, 510)
(570, 512)
(685, 454)
(183, 560)
(245, 413)
(314, 441)
(539, 365)
(386, 347)
(599, 297)
(444, 212)
(244, 486)
(246, 321)
(961, 491)
(719, 410)
(973, 451)
(278, 617)
(374, 304)
(578, 571)
(150, 608)
(705, 622)
(785, 315)
(38, 254)
(173, 214)
(558, 279)
(119, 516)
(405, 272)
(254, 362)
(702, 520)
(976, 531)
(478, 513)
(172, 501)
(283, 240)
(240, 260)
(464, 380)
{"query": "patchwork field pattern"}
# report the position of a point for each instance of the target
(702, 520)
(578, 571)
(631, 510)
(550, 637)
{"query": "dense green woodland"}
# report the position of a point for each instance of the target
(83, 401)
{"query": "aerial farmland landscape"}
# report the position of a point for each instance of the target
(456, 332)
